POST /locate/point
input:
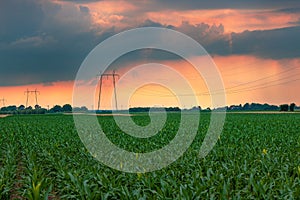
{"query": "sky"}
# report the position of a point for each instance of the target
(255, 45)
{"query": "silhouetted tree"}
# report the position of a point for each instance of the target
(3, 109)
(11, 108)
(246, 106)
(37, 107)
(83, 108)
(56, 108)
(41, 111)
(284, 107)
(67, 108)
(292, 107)
(21, 107)
(193, 108)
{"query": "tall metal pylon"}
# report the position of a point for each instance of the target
(35, 92)
(3, 101)
(114, 76)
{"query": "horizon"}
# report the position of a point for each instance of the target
(192, 107)
(255, 47)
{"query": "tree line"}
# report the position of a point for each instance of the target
(262, 107)
(246, 107)
(13, 109)
(68, 108)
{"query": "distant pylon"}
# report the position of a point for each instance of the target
(113, 75)
(35, 92)
(3, 101)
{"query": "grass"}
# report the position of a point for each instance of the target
(257, 156)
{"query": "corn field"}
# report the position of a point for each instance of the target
(256, 157)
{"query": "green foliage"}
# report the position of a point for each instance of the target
(67, 108)
(256, 157)
(8, 164)
(284, 107)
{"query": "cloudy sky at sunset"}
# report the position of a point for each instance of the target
(255, 44)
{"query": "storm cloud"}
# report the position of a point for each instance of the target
(214, 4)
(275, 44)
(43, 42)
(203, 4)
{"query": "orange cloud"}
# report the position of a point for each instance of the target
(125, 14)
(233, 20)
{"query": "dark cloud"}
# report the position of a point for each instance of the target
(212, 37)
(84, 9)
(216, 4)
(204, 4)
(289, 10)
(16, 21)
(80, 1)
(150, 23)
(42, 42)
(275, 44)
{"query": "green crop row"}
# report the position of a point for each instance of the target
(257, 156)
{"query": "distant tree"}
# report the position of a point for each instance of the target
(246, 106)
(139, 109)
(67, 108)
(21, 107)
(80, 109)
(41, 111)
(259, 107)
(83, 108)
(3, 109)
(28, 111)
(292, 107)
(235, 107)
(29, 108)
(194, 108)
(76, 109)
(11, 108)
(221, 108)
(176, 109)
(37, 107)
(284, 107)
(56, 108)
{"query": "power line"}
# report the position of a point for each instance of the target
(249, 82)
(258, 86)
(227, 72)
(260, 79)
(266, 86)
(230, 91)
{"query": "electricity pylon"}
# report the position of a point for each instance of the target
(3, 101)
(35, 92)
(113, 75)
